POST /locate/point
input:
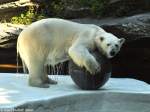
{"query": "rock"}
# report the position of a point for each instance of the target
(24, 1)
(6, 1)
(37, 1)
(71, 13)
(64, 9)
(126, 7)
(87, 81)
(9, 32)
(134, 58)
(8, 37)
(11, 9)
(72, 9)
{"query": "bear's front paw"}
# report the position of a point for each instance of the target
(37, 83)
(93, 67)
(53, 82)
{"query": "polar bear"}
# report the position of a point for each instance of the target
(52, 41)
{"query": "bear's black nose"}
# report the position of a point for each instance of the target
(112, 53)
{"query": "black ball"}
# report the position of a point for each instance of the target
(87, 81)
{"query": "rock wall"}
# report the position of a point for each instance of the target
(8, 37)
(6, 1)
(72, 9)
(134, 58)
(126, 7)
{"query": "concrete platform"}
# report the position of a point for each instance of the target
(117, 95)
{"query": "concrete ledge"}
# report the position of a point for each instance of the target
(118, 95)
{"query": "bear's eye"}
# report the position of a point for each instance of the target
(117, 46)
(108, 44)
(101, 38)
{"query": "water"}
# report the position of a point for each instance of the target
(55, 70)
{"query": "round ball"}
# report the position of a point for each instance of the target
(87, 81)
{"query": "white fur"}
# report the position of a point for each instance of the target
(51, 41)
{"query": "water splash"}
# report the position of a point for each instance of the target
(17, 60)
(53, 71)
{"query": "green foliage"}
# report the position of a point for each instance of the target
(27, 18)
(96, 6)
(56, 8)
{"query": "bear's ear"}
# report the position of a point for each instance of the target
(122, 40)
(101, 39)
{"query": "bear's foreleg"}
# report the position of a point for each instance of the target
(81, 56)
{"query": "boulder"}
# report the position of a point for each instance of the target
(81, 9)
(8, 37)
(82, 12)
(126, 7)
(11, 9)
(134, 58)
(6, 1)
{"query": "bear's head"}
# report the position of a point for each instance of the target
(109, 44)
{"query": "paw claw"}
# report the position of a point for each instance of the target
(40, 85)
(94, 69)
(92, 66)
(50, 81)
